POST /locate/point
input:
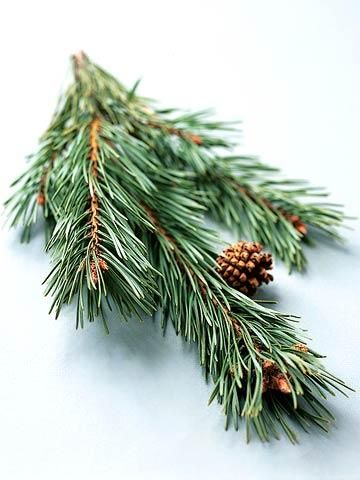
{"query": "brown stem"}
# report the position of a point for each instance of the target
(203, 287)
(94, 202)
(41, 197)
(155, 221)
(294, 219)
(178, 132)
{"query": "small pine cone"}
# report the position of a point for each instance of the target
(244, 266)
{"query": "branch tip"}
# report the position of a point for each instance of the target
(79, 60)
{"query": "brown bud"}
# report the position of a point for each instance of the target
(301, 347)
(103, 265)
(41, 199)
(274, 378)
(282, 384)
(94, 274)
(195, 139)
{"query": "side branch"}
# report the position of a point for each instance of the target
(273, 377)
(203, 287)
(178, 132)
(295, 220)
(155, 221)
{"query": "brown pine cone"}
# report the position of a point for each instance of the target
(244, 266)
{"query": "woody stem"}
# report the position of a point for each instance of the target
(94, 201)
(203, 287)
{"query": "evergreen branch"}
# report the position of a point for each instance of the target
(96, 253)
(241, 191)
(276, 213)
(254, 355)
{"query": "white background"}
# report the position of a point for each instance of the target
(132, 405)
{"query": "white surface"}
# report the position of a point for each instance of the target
(132, 405)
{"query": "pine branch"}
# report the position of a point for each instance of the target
(281, 214)
(97, 257)
(96, 252)
(242, 192)
(260, 367)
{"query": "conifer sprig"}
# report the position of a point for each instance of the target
(96, 255)
(243, 346)
(248, 196)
